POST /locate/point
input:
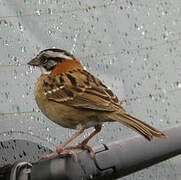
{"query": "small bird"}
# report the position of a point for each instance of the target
(74, 98)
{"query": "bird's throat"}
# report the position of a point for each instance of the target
(65, 66)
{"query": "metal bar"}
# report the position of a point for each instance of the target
(133, 154)
(113, 160)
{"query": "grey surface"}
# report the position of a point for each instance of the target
(111, 160)
(133, 46)
(20, 150)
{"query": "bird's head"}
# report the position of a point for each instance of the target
(54, 60)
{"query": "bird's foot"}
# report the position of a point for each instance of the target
(47, 156)
(82, 146)
(58, 151)
(69, 151)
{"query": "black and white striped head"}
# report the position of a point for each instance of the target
(48, 58)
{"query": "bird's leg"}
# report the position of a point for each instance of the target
(83, 144)
(60, 148)
(87, 139)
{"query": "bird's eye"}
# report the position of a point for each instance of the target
(43, 59)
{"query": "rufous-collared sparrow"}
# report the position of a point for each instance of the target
(73, 98)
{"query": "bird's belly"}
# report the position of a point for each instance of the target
(67, 116)
(64, 115)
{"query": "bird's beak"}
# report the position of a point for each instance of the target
(34, 62)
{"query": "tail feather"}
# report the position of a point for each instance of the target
(141, 127)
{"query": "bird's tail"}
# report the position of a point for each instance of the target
(144, 129)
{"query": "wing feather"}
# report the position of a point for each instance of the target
(80, 89)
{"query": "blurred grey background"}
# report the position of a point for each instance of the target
(133, 46)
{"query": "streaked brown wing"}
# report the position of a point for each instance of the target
(87, 100)
(80, 89)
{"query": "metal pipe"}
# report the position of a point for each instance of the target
(112, 160)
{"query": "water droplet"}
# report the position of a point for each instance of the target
(168, 122)
(151, 96)
(164, 13)
(38, 12)
(4, 21)
(17, 109)
(6, 95)
(143, 33)
(20, 26)
(50, 31)
(5, 43)
(4, 134)
(50, 11)
(139, 28)
(178, 84)
(161, 120)
(32, 117)
(91, 176)
(23, 49)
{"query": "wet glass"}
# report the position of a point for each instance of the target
(133, 46)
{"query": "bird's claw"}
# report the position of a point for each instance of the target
(60, 153)
(47, 156)
(68, 151)
(84, 147)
